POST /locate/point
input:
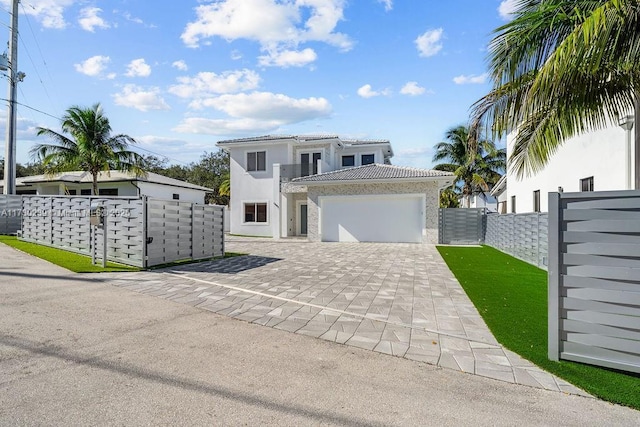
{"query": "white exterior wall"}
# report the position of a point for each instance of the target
(166, 192)
(255, 187)
(599, 154)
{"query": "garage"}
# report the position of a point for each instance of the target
(372, 218)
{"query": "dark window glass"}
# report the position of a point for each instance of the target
(316, 157)
(176, 196)
(72, 192)
(368, 159)
(586, 184)
(261, 212)
(348, 160)
(536, 201)
(107, 191)
(251, 161)
(86, 192)
(513, 204)
(250, 212)
(262, 160)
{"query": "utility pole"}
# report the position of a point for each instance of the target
(10, 145)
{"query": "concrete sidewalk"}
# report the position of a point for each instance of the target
(77, 351)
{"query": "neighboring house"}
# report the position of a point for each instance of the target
(330, 189)
(595, 161)
(499, 192)
(480, 200)
(114, 183)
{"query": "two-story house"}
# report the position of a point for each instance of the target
(330, 189)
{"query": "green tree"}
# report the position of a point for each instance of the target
(449, 198)
(561, 68)
(86, 144)
(476, 162)
(210, 172)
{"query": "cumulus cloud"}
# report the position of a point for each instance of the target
(277, 26)
(138, 68)
(207, 84)
(142, 99)
(48, 12)
(367, 91)
(388, 4)
(288, 58)
(89, 19)
(95, 67)
(180, 65)
(429, 43)
(507, 8)
(412, 89)
(255, 112)
(470, 79)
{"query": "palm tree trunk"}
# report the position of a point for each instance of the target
(95, 184)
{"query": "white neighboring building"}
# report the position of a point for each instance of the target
(330, 189)
(591, 162)
(114, 183)
(481, 200)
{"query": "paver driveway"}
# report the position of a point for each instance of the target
(399, 299)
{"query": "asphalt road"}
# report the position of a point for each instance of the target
(77, 351)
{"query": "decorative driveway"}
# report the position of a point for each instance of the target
(398, 299)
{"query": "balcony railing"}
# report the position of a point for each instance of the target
(298, 170)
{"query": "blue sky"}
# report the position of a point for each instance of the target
(179, 76)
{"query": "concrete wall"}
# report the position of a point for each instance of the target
(599, 154)
(429, 189)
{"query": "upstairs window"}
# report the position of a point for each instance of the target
(536, 201)
(586, 184)
(513, 204)
(368, 159)
(257, 161)
(348, 161)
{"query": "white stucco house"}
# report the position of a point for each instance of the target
(113, 183)
(330, 189)
(596, 161)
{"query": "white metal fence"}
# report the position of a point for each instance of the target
(140, 232)
(594, 278)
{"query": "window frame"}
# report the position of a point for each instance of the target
(536, 201)
(105, 191)
(513, 204)
(346, 156)
(249, 167)
(373, 155)
(255, 212)
(175, 196)
(589, 181)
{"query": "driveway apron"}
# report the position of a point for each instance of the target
(398, 299)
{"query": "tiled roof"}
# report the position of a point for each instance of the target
(373, 172)
(112, 176)
(304, 138)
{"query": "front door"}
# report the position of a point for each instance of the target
(303, 219)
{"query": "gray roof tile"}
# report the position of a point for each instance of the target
(372, 172)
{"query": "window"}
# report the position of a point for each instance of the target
(368, 159)
(348, 161)
(72, 192)
(586, 184)
(85, 192)
(256, 161)
(107, 191)
(309, 163)
(513, 204)
(176, 196)
(255, 212)
(536, 201)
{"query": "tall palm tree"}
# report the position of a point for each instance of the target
(476, 162)
(561, 68)
(86, 144)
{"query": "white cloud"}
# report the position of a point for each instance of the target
(141, 99)
(470, 79)
(224, 127)
(429, 43)
(207, 84)
(95, 66)
(48, 12)
(412, 88)
(138, 68)
(277, 26)
(388, 4)
(89, 19)
(367, 91)
(507, 8)
(180, 65)
(288, 58)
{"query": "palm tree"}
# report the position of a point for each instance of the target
(561, 68)
(476, 162)
(225, 186)
(86, 144)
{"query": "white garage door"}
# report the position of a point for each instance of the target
(388, 218)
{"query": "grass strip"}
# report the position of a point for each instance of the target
(511, 297)
(65, 259)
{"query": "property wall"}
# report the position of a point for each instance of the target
(430, 189)
(254, 187)
(523, 236)
(10, 214)
(599, 154)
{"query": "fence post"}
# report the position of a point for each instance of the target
(554, 242)
(193, 225)
(145, 237)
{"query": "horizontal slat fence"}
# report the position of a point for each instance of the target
(461, 226)
(523, 236)
(140, 232)
(10, 214)
(594, 278)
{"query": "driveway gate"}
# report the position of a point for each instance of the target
(461, 226)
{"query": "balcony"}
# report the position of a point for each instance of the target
(298, 170)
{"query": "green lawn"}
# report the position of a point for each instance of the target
(69, 260)
(511, 296)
